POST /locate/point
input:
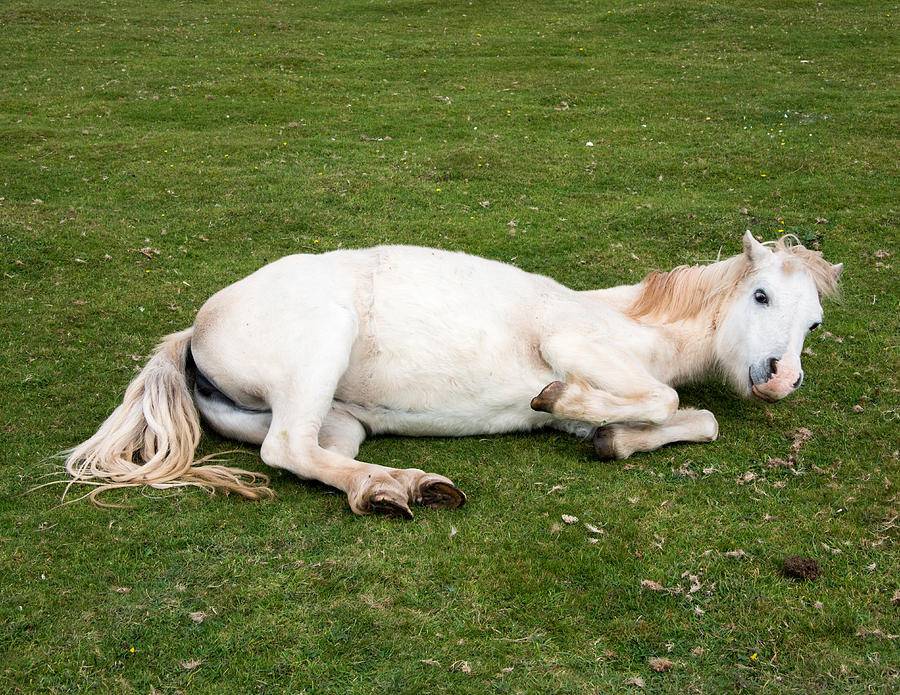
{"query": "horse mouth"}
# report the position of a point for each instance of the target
(759, 395)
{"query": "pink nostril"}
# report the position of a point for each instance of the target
(799, 381)
(773, 366)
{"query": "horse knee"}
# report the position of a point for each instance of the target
(664, 406)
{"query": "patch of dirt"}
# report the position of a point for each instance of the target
(653, 586)
(801, 436)
(803, 568)
(661, 664)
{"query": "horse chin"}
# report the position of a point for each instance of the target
(759, 395)
(754, 390)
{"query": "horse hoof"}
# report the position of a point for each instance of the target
(546, 400)
(384, 504)
(603, 444)
(441, 494)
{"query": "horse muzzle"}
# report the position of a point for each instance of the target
(774, 380)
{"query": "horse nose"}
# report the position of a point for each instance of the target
(778, 372)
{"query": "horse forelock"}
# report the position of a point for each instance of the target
(688, 292)
(798, 257)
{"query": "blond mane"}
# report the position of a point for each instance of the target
(688, 292)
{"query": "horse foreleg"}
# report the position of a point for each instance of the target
(578, 400)
(604, 385)
(619, 441)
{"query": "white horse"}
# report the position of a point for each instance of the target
(311, 354)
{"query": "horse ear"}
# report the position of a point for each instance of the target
(836, 270)
(755, 251)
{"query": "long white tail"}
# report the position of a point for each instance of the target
(158, 421)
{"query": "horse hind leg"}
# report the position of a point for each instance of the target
(619, 441)
(322, 447)
(232, 421)
(341, 433)
(370, 488)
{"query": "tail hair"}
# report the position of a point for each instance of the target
(157, 421)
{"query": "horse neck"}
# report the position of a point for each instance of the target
(692, 349)
(692, 321)
(681, 309)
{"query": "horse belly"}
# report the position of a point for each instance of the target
(447, 412)
(462, 422)
(450, 376)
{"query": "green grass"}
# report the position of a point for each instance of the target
(218, 137)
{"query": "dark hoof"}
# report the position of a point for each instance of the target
(546, 399)
(383, 504)
(603, 444)
(441, 495)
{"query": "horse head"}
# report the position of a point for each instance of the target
(771, 311)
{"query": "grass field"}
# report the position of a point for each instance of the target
(153, 152)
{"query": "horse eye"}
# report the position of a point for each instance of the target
(761, 297)
(815, 326)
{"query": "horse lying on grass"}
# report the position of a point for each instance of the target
(313, 353)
